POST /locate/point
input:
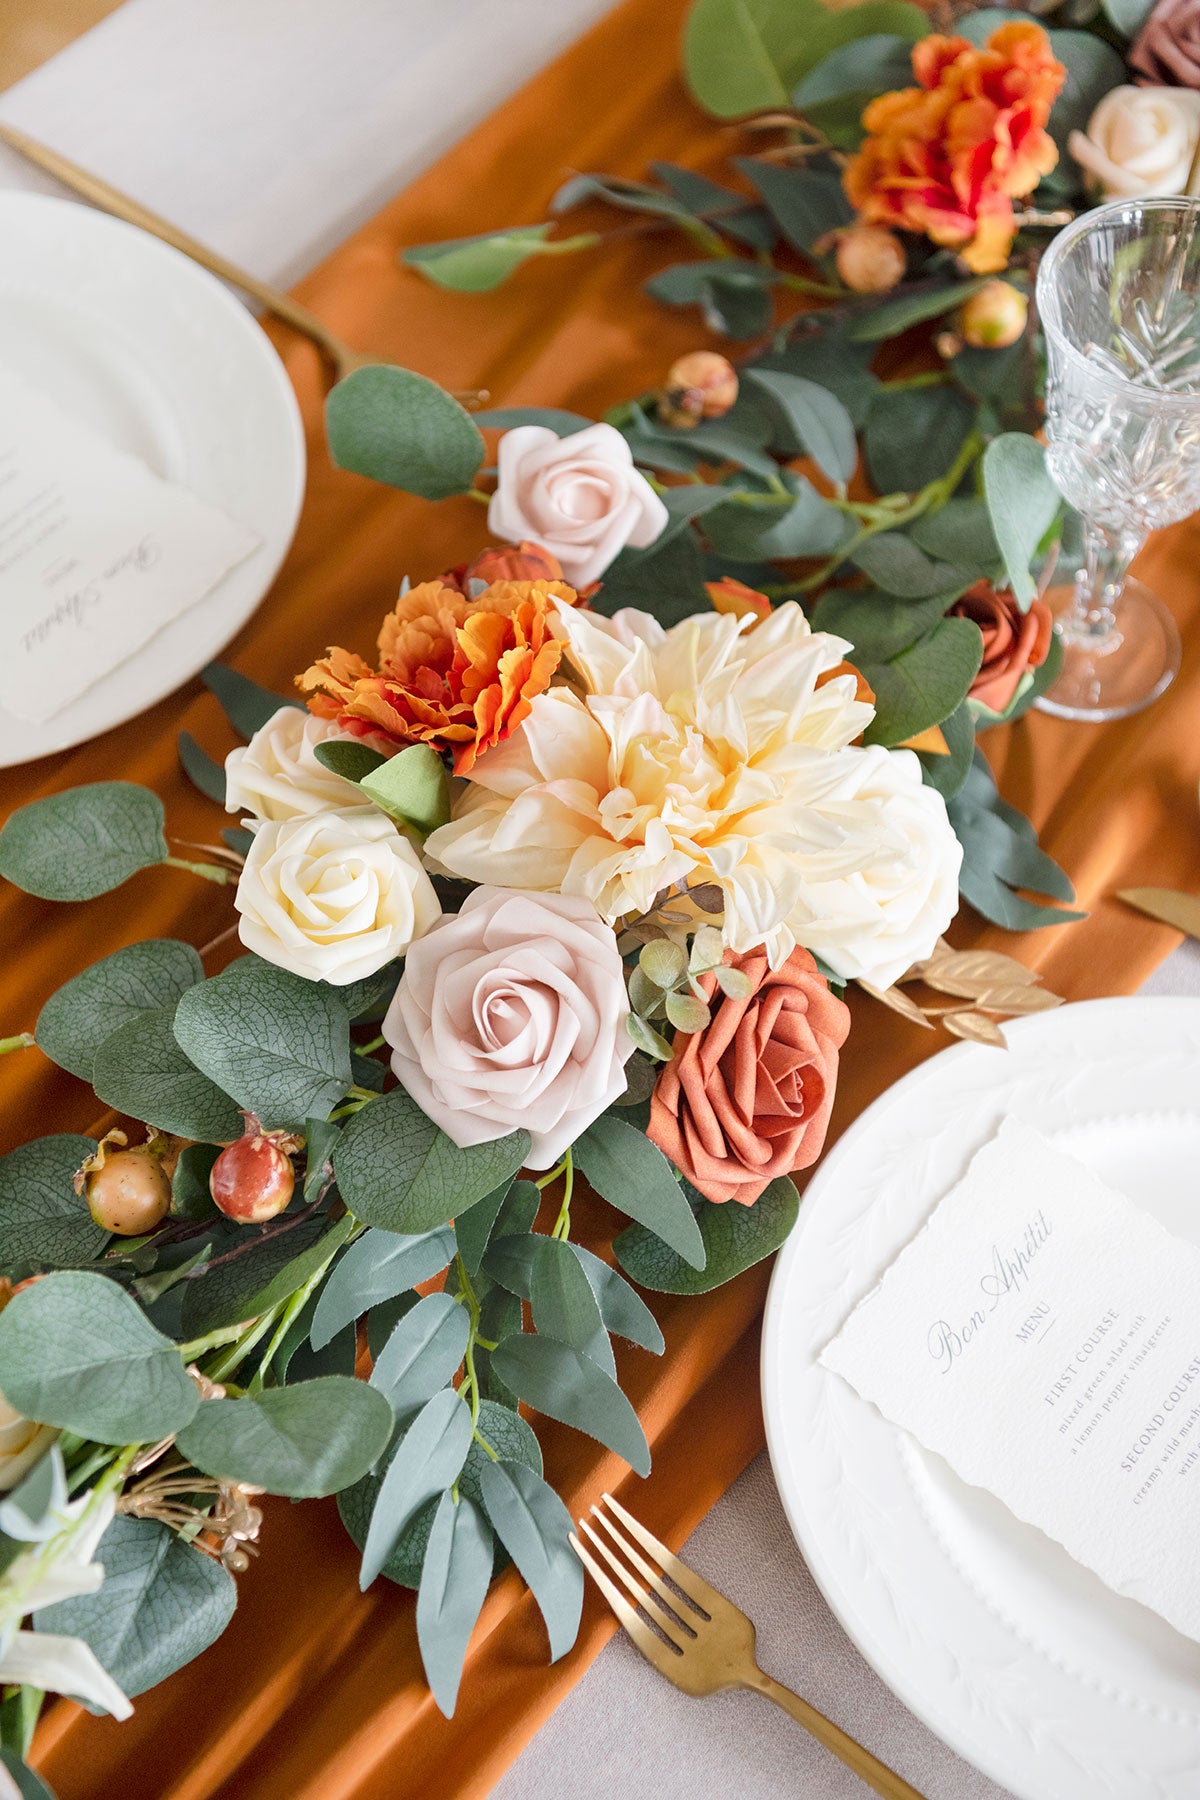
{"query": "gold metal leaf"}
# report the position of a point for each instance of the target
(971, 972)
(1015, 1000)
(976, 1027)
(899, 1002)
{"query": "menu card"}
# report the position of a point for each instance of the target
(97, 553)
(1042, 1333)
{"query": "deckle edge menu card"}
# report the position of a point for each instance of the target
(1042, 1334)
(97, 553)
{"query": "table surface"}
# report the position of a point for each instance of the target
(272, 128)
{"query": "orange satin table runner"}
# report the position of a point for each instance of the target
(315, 1691)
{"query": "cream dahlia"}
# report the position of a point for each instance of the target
(719, 751)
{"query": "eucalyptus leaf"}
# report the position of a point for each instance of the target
(735, 1238)
(554, 418)
(734, 297)
(77, 1352)
(806, 204)
(912, 436)
(422, 1353)
(563, 1303)
(454, 1581)
(429, 1458)
(83, 841)
(624, 1312)
(809, 526)
(42, 1219)
(397, 1170)
(875, 63)
(632, 1174)
(822, 426)
(191, 1197)
(668, 585)
(563, 1383)
(245, 704)
(1022, 503)
(162, 1603)
(476, 265)
(913, 305)
(900, 566)
(721, 207)
(1094, 69)
(1001, 854)
(826, 357)
(377, 1267)
(141, 1070)
(400, 428)
(262, 1274)
(535, 1527)
(76, 1020)
(200, 769)
(473, 1227)
(26, 1785)
(960, 532)
(743, 56)
(947, 773)
(306, 1440)
(925, 683)
(278, 1044)
(878, 626)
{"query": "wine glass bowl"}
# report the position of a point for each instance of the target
(1119, 299)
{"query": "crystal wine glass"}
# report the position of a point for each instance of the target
(1118, 293)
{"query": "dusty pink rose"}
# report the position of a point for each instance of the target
(579, 497)
(1167, 51)
(512, 1013)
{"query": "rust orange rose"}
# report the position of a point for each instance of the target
(501, 562)
(947, 158)
(1013, 642)
(748, 1098)
(454, 672)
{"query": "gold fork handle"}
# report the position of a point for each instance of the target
(868, 1768)
(92, 188)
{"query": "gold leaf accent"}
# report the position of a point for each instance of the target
(899, 1002)
(976, 1027)
(970, 973)
(1016, 1000)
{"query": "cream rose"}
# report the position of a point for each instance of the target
(277, 775)
(580, 497)
(22, 1442)
(333, 896)
(512, 1013)
(1139, 140)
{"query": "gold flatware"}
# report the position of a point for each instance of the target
(340, 356)
(1167, 905)
(706, 1644)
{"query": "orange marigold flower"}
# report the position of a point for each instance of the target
(730, 596)
(454, 672)
(949, 157)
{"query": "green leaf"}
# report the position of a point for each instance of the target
(454, 1581)
(1000, 854)
(725, 210)
(961, 533)
(947, 773)
(42, 1218)
(200, 769)
(735, 1238)
(398, 1171)
(624, 1312)
(900, 567)
(1128, 15)
(669, 586)
(554, 418)
(1022, 502)
(911, 306)
(402, 429)
(564, 1306)
(473, 1227)
(84, 841)
(822, 426)
(807, 204)
(77, 1352)
(734, 296)
(742, 56)
(925, 683)
(190, 1195)
(563, 1383)
(412, 787)
(26, 1785)
(1093, 68)
(141, 1070)
(534, 1526)
(428, 1460)
(297, 1360)
(873, 64)
(349, 758)
(380, 1265)
(76, 1020)
(878, 626)
(476, 265)
(913, 435)
(262, 1274)
(632, 1174)
(280, 1045)
(245, 704)
(162, 1603)
(422, 1353)
(810, 526)
(826, 358)
(305, 1440)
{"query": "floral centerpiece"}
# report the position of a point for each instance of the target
(554, 891)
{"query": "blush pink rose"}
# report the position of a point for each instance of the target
(579, 497)
(512, 1013)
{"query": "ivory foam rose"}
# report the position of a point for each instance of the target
(1139, 141)
(512, 1013)
(277, 775)
(721, 751)
(334, 896)
(580, 497)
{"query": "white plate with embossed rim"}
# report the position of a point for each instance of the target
(159, 357)
(1015, 1655)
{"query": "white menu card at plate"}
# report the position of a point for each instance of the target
(1042, 1334)
(97, 553)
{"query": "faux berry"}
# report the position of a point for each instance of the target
(253, 1180)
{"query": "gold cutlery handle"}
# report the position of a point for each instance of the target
(868, 1768)
(92, 188)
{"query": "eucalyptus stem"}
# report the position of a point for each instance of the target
(469, 1389)
(287, 1318)
(376, 1043)
(207, 871)
(236, 1354)
(562, 1225)
(213, 1340)
(20, 1040)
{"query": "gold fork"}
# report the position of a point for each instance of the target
(342, 359)
(706, 1645)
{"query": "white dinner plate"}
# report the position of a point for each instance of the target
(1015, 1655)
(158, 356)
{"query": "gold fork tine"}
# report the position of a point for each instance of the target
(651, 1647)
(651, 1574)
(639, 1593)
(693, 1585)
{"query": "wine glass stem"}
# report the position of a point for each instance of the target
(1098, 583)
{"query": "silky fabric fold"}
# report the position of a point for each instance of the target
(315, 1691)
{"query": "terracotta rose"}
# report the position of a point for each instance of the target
(748, 1098)
(1013, 642)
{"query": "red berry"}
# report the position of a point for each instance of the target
(252, 1180)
